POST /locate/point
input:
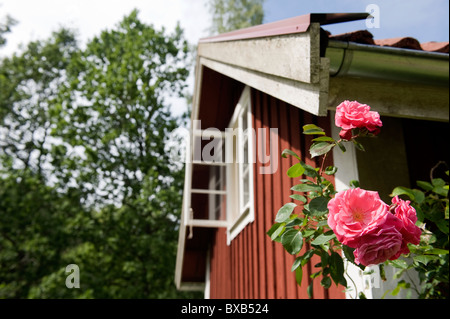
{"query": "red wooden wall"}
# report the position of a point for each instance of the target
(253, 266)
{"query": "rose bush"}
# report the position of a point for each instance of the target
(356, 223)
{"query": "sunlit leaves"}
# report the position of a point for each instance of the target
(320, 148)
(292, 241)
(284, 212)
(311, 129)
(296, 170)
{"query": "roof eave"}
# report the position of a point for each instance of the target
(288, 26)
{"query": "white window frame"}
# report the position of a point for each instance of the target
(238, 213)
(211, 192)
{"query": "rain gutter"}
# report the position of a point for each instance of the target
(387, 63)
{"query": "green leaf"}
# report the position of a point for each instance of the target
(354, 183)
(318, 206)
(295, 170)
(419, 196)
(284, 212)
(425, 185)
(362, 295)
(310, 289)
(276, 230)
(441, 191)
(311, 129)
(442, 224)
(438, 182)
(425, 259)
(306, 188)
(324, 139)
(437, 251)
(359, 146)
(382, 272)
(337, 268)
(331, 170)
(299, 198)
(399, 263)
(310, 171)
(297, 263)
(294, 222)
(400, 190)
(439, 187)
(320, 148)
(322, 239)
(341, 146)
(326, 282)
(289, 152)
(299, 275)
(348, 253)
(292, 241)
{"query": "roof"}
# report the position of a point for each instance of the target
(287, 26)
(301, 23)
(365, 37)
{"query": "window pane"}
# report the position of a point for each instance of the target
(208, 206)
(244, 119)
(245, 184)
(245, 150)
(208, 191)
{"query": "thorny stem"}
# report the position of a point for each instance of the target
(323, 162)
(434, 167)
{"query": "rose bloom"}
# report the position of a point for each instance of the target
(354, 212)
(352, 114)
(380, 244)
(407, 214)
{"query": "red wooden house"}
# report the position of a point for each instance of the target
(255, 88)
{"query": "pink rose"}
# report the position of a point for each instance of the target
(346, 135)
(352, 114)
(354, 212)
(408, 216)
(381, 244)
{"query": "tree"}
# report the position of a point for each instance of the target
(5, 27)
(84, 177)
(229, 15)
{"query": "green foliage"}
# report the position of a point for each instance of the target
(84, 178)
(229, 15)
(296, 230)
(309, 229)
(5, 27)
(430, 258)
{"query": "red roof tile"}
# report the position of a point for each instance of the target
(435, 46)
(361, 36)
(365, 37)
(402, 42)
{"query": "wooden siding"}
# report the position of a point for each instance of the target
(253, 266)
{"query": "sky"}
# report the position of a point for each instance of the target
(426, 20)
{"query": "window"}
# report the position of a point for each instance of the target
(241, 209)
(219, 173)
